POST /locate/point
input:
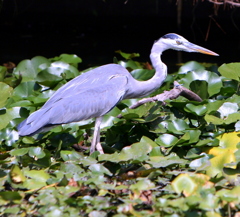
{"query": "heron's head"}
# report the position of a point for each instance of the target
(177, 42)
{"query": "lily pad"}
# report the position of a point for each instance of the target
(230, 70)
(6, 92)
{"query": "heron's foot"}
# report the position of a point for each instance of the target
(99, 148)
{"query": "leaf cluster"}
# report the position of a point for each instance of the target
(177, 159)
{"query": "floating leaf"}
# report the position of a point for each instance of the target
(130, 64)
(137, 151)
(224, 154)
(71, 59)
(6, 92)
(167, 140)
(213, 80)
(10, 195)
(177, 126)
(36, 152)
(190, 66)
(6, 115)
(213, 105)
(128, 55)
(159, 161)
(142, 74)
(201, 163)
(142, 185)
(99, 169)
(229, 140)
(213, 119)
(17, 175)
(24, 90)
(19, 151)
(28, 69)
(230, 70)
(237, 126)
(184, 184)
(200, 88)
(3, 71)
(197, 109)
(37, 179)
(227, 108)
(69, 155)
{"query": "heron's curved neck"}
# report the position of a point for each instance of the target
(158, 65)
(144, 88)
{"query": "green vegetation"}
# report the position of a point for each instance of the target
(177, 159)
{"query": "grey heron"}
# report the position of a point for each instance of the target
(96, 92)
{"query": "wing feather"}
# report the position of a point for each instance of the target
(80, 105)
(93, 78)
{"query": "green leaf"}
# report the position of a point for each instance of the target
(71, 59)
(142, 185)
(6, 115)
(193, 153)
(159, 162)
(26, 70)
(200, 88)
(237, 126)
(128, 55)
(167, 140)
(56, 72)
(39, 60)
(12, 210)
(36, 152)
(19, 151)
(213, 80)
(177, 126)
(137, 151)
(6, 92)
(227, 108)
(37, 179)
(148, 141)
(213, 105)
(196, 109)
(40, 175)
(232, 118)
(213, 119)
(230, 70)
(190, 66)
(3, 71)
(142, 74)
(10, 196)
(130, 64)
(184, 184)
(17, 175)
(24, 90)
(201, 163)
(99, 169)
(70, 156)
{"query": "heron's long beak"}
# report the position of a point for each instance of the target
(195, 48)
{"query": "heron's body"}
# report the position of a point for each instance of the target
(96, 92)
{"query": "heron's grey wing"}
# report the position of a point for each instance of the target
(92, 78)
(92, 102)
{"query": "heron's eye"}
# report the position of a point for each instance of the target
(178, 42)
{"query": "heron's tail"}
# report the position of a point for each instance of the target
(35, 123)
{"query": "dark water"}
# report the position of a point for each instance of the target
(94, 30)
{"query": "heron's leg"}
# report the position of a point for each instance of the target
(96, 137)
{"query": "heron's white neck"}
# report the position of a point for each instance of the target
(144, 88)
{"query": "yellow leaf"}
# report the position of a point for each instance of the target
(16, 175)
(184, 184)
(224, 154)
(229, 140)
